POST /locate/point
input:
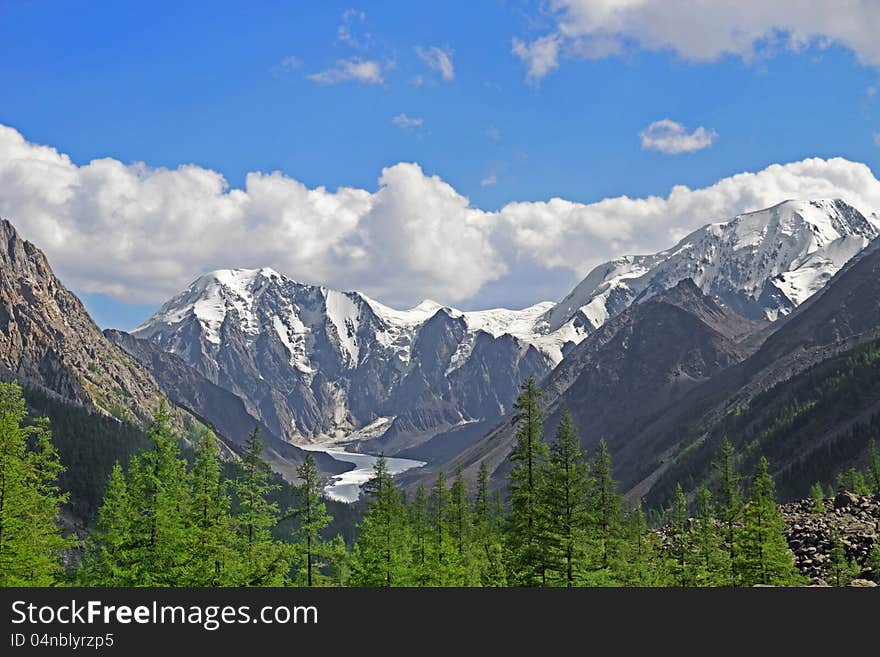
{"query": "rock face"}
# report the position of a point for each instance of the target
(854, 519)
(742, 403)
(47, 339)
(313, 362)
(634, 366)
(215, 406)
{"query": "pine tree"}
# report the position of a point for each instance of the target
(213, 560)
(762, 553)
(265, 560)
(488, 525)
(730, 505)
(525, 557)
(313, 518)
(817, 497)
(605, 505)
(566, 487)
(680, 540)
(381, 556)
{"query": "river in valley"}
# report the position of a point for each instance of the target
(347, 486)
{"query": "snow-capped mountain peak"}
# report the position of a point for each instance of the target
(761, 264)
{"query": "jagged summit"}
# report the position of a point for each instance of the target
(761, 264)
(312, 361)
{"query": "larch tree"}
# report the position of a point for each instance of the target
(266, 561)
(566, 489)
(488, 527)
(763, 556)
(213, 559)
(525, 555)
(31, 542)
(420, 532)
(381, 552)
(605, 506)
(729, 506)
(312, 519)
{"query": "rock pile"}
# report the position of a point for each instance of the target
(852, 519)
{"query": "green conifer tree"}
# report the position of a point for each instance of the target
(31, 542)
(213, 559)
(873, 467)
(461, 530)
(265, 561)
(420, 533)
(710, 558)
(680, 541)
(381, 554)
(313, 518)
(566, 489)
(817, 499)
(729, 506)
(488, 527)
(526, 565)
(762, 553)
(605, 506)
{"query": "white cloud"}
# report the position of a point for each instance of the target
(489, 180)
(439, 60)
(672, 138)
(877, 138)
(540, 56)
(405, 122)
(142, 234)
(365, 71)
(706, 31)
(347, 30)
(493, 133)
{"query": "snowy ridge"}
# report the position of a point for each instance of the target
(761, 264)
(317, 363)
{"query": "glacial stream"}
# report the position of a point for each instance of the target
(347, 486)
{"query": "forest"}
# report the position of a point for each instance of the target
(174, 515)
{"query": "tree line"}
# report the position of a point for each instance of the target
(165, 521)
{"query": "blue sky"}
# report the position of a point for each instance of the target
(236, 88)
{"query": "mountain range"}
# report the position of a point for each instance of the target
(651, 352)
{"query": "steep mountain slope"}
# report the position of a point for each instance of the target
(215, 406)
(633, 367)
(48, 340)
(311, 362)
(760, 264)
(833, 325)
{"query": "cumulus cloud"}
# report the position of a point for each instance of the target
(405, 122)
(672, 138)
(489, 180)
(540, 56)
(142, 234)
(439, 60)
(354, 69)
(710, 30)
